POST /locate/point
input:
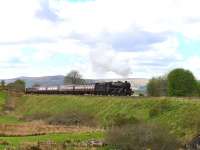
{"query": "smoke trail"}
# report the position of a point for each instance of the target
(104, 61)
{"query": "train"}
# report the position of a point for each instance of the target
(105, 88)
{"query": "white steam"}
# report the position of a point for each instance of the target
(105, 61)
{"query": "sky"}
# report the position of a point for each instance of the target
(99, 38)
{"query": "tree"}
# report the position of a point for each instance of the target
(181, 82)
(73, 77)
(198, 88)
(2, 83)
(157, 87)
(18, 85)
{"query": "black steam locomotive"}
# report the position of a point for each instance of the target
(106, 88)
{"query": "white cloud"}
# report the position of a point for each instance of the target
(49, 33)
(192, 63)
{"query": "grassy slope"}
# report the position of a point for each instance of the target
(3, 96)
(104, 108)
(7, 119)
(176, 112)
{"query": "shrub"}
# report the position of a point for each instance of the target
(121, 119)
(182, 83)
(159, 108)
(73, 118)
(157, 87)
(18, 85)
(141, 136)
(141, 94)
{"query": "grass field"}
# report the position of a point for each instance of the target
(180, 115)
(77, 137)
(73, 137)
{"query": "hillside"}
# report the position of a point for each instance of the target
(16, 132)
(180, 115)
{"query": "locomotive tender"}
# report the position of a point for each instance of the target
(106, 88)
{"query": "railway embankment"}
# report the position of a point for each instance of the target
(179, 115)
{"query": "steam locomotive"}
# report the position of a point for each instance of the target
(106, 88)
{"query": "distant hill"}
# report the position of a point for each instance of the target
(45, 80)
(136, 83)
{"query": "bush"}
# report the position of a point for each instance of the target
(141, 136)
(18, 85)
(141, 94)
(159, 108)
(157, 87)
(73, 118)
(182, 83)
(121, 119)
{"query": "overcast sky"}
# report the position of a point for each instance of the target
(100, 38)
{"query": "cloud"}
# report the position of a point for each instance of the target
(130, 40)
(136, 40)
(79, 1)
(47, 13)
(37, 40)
(102, 38)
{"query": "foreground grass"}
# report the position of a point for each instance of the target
(73, 137)
(16, 141)
(176, 114)
(7, 119)
(76, 137)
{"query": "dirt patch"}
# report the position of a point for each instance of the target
(39, 129)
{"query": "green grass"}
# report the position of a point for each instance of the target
(73, 137)
(8, 119)
(76, 137)
(3, 97)
(178, 114)
(104, 108)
